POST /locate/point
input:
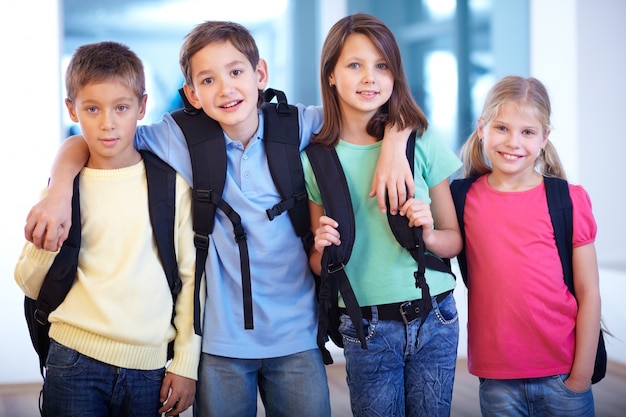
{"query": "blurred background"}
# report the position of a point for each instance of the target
(453, 52)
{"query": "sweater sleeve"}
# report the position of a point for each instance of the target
(187, 344)
(31, 269)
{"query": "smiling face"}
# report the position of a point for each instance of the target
(513, 140)
(107, 113)
(361, 77)
(226, 86)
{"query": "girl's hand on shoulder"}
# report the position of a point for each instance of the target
(418, 213)
(326, 234)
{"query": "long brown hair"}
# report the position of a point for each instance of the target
(528, 93)
(401, 110)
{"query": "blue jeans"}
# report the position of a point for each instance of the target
(293, 385)
(79, 386)
(403, 373)
(533, 397)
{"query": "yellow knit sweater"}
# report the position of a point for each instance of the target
(120, 307)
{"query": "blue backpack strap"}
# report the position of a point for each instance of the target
(282, 144)
(337, 205)
(56, 285)
(459, 189)
(207, 149)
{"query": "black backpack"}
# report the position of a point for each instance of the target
(335, 194)
(207, 150)
(561, 216)
(161, 180)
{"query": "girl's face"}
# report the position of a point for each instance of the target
(513, 140)
(361, 77)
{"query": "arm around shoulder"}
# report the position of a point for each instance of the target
(48, 222)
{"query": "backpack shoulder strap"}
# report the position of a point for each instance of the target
(410, 238)
(207, 150)
(335, 194)
(161, 179)
(56, 284)
(282, 144)
(459, 190)
(561, 215)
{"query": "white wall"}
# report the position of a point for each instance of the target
(30, 120)
(577, 51)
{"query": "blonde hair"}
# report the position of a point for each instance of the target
(527, 93)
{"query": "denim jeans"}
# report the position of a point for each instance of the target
(293, 385)
(79, 386)
(533, 397)
(403, 373)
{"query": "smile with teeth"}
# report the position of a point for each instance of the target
(509, 156)
(367, 93)
(231, 104)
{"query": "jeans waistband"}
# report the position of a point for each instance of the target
(405, 311)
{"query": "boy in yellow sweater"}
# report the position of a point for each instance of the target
(109, 337)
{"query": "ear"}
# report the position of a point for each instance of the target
(331, 79)
(142, 107)
(546, 136)
(191, 96)
(71, 110)
(480, 127)
(262, 74)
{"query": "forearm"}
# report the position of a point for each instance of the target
(70, 159)
(587, 289)
(445, 243)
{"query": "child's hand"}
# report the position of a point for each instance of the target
(326, 234)
(418, 213)
(177, 394)
(48, 223)
(393, 176)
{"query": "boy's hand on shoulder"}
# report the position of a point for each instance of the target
(177, 394)
(393, 177)
(48, 223)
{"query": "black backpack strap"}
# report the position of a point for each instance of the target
(562, 217)
(335, 194)
(459, 190)
(161, 179)
(282, 145)
(207, 149)
(56, 285)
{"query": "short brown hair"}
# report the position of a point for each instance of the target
(102, 61)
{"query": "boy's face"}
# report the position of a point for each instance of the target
(108, 112)
(226, 87)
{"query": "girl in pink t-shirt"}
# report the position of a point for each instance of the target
(530, 341)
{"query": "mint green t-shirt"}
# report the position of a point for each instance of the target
(380, 270)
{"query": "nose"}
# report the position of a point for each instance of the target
(368, 75)
(107, 120)
(513, 139)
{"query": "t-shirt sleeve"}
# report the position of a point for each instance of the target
(309, 179)
(585, 227)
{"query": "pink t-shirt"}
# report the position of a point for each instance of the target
(521, 315)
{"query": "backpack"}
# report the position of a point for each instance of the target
(161, 180)
(561, 216)
(335, 195)
(207, 150)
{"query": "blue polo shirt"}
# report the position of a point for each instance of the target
(283, 289)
